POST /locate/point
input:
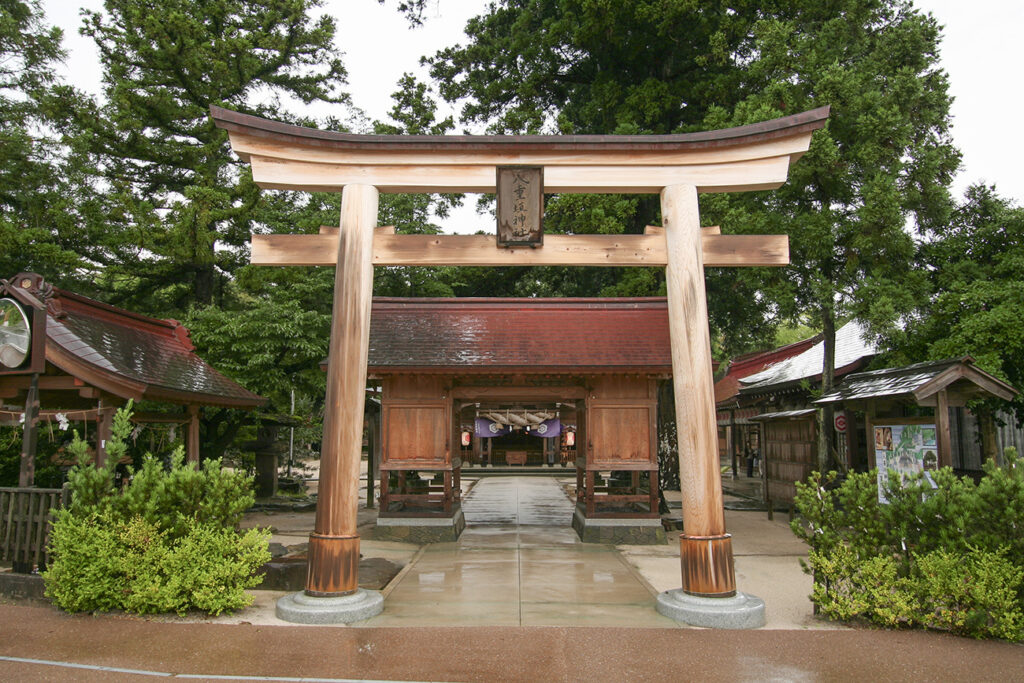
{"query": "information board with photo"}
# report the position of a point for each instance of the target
(907, 449)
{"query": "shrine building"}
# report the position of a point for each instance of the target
(517, 382)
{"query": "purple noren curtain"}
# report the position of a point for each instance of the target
(547, 428)
(487, 429)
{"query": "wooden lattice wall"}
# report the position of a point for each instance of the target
(25, 515)
(789, 448)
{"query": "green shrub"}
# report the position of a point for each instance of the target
(167, 498)
(971, 595)
(86, 572)
(891, 564)
(853, 589)
(166, 542)
(997, 518)
(102, 562)
(170, 499)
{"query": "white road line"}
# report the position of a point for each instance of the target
(165, 674)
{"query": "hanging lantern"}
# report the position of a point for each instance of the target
(570, 439)
(466, 438)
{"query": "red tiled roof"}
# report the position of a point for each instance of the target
(147, 357)
(524, 335)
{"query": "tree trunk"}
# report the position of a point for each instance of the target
(204, 283)
(828, 374)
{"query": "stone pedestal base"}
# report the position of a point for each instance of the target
(421, 529)
(300, 608)
(23, 586)
(618, 531)
(739, 611)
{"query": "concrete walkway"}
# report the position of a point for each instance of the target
(519, 563)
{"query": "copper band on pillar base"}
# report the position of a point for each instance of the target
(333, 565)
(708, 570)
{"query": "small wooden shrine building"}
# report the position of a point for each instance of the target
(517, 382)
(893, 398)
(773, 409)
(88, 358)
(738, 436)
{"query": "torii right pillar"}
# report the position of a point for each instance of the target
(708, 596)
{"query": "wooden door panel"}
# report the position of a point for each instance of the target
(417, 433)
(620, 434)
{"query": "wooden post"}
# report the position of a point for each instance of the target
(27, 470)
(705, 548)
(869, 434)
(378, 441)
(334, 543)
(104, 423)
(192, 439)
(371, 453)
(942, 427)
(729, 445)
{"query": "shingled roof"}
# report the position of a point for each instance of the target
(521, 335)
(852, 352)
(748, 364)
(128, 354)
(919, 382)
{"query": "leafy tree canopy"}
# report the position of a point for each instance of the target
(186, 204)
(974, 267)
(662, 66)
(46, 193)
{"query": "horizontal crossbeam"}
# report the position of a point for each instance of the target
(557, 250)
(738, 176)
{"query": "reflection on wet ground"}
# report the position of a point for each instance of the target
(519, 563)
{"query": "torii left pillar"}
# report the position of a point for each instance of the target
(332, 592)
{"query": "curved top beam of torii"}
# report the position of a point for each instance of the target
(751, 157)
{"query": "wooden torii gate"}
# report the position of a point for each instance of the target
(753, 157)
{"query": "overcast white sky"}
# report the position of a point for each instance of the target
(980, 51)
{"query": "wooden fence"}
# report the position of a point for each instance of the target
(25, 515)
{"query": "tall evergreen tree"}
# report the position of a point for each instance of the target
(181, 206)
(662, 66)
(974, 269)
(187, 205)
(45, 187)
(885, 160)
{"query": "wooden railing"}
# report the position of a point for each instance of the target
(25, 515)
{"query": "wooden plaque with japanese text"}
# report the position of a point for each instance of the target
(520, 206)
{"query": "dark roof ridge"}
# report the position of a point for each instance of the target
(882, 372)
(793, 124)
(754, 354)
(114, 311)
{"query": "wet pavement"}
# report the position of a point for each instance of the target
(38, 644)
(504, 604)
(519, 563)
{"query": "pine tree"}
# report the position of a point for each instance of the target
(883, 161)
(45, 188)
(186, 205)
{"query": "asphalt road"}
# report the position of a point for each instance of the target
(35, 641)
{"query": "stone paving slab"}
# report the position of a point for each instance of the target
(522, 526)
(518, 563)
